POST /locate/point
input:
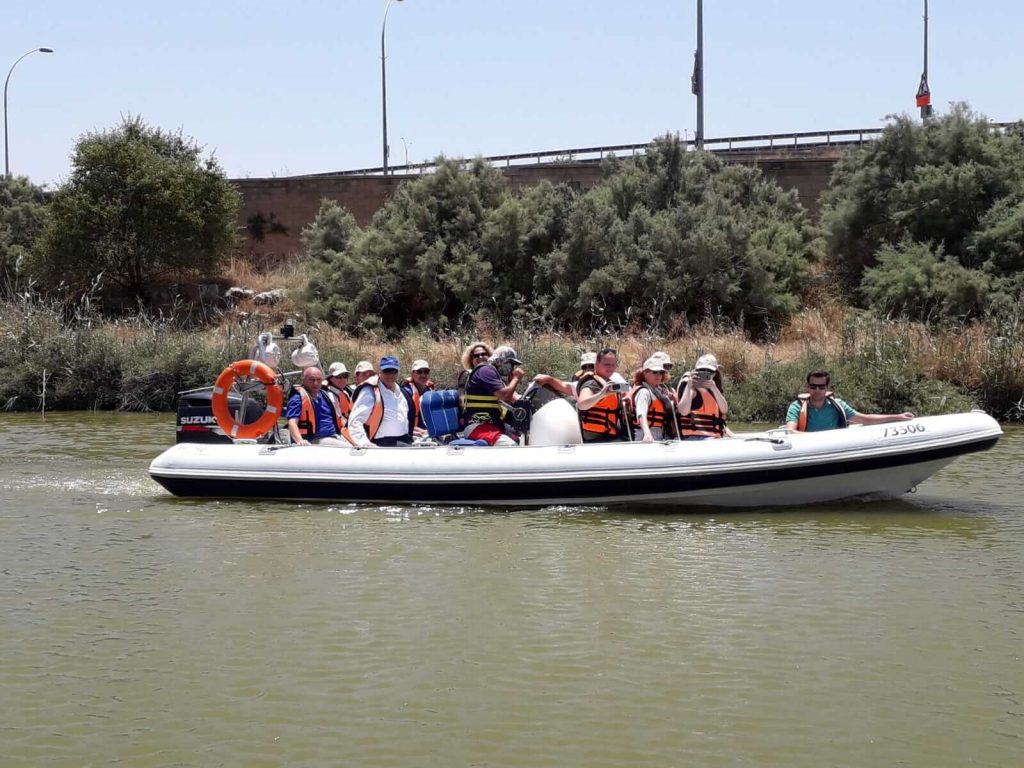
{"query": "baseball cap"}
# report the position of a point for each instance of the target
(502, 354)
(655, 364)
(588, 358)
(419, 365)
(337, 369)
(706, 363)
(389, 362)
(664, 357)
(363, 366)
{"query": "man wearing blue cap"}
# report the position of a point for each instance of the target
(380, 410)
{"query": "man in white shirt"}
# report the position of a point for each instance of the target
(381, 410)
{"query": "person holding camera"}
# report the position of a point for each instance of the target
(702, 406)
(600, 401)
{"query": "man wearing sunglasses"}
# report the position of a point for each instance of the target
(818, 409)
(414, 387)
(380, 410)
(490, 389)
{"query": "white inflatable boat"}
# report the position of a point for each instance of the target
(751, 470)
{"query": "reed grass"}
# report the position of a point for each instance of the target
(879, 365)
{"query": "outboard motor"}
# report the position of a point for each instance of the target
(196, 422)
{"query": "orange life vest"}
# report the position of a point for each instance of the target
(373, 421)
(307, 414)
(805, 397)
(344, 399)
(658, 415)
(704, 419)
(416, 397)
(334, 397)
(605, 416)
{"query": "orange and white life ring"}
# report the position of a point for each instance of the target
(275, 399)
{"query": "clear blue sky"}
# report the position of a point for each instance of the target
(277, 88)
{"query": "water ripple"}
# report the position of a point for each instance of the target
(142, 630)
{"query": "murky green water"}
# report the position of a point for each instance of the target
(140, 630)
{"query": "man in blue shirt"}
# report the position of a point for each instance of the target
(818, 410)
(310, 414)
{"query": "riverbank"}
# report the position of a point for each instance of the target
(50, 360)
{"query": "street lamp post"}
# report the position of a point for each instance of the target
(7, 156)
(406, 146)
(384, 86)
(924, 92)
(697, 79)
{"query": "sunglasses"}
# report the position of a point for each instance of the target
(422, 370)
(389, 370)
(476, 355)
(817, 386)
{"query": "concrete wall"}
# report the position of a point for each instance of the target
(274, 211)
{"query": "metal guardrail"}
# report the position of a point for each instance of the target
(798, 141)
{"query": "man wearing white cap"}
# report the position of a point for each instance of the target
(364, 370)
(414, 386)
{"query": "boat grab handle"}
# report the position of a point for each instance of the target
(773, 440)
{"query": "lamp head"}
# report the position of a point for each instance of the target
(45, 50)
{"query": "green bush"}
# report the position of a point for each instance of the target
(23, 215)
(667, 236)
(928, 221)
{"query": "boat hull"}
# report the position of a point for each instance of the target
(752, 470)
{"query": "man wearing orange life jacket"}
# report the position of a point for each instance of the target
(818, 409)
(310, 414)
(364, 370)
(339, 392)
(380, 410)
(414, 387)
(653, 409)
(599, 401)
(702, 406)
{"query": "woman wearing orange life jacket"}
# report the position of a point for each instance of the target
(653, 408)
(702, 406)
(339, 392)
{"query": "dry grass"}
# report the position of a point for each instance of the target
(985, 360)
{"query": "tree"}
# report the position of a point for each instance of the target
(141, 205)
(421, 260)
(23, 213)
(679, 235)
(671, 234)
(324, 243)
(929, 219)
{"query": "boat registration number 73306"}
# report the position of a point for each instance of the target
(898, 430)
